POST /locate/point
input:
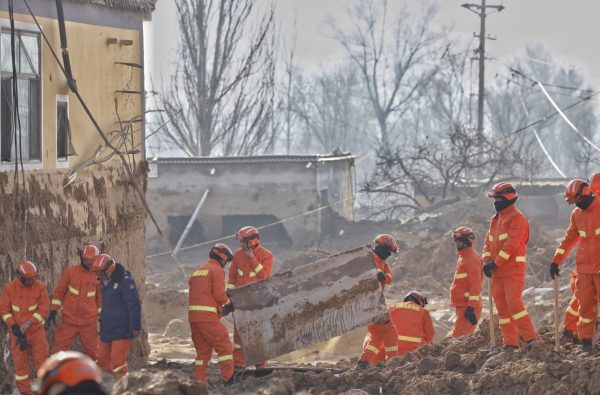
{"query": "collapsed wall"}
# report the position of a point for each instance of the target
(44, 222)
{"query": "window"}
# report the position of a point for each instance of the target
(28, 87)
(64, 147)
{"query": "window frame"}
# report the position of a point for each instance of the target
(29, 29)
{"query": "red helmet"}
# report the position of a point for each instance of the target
(223, 252)
(416, 297)
(69, 368)
(503, 190)
(595, 183)
(103, 263)
(249, 234)
(27, 271)
(89, 253)
(386, 240)
(463, 232)
(576, 189)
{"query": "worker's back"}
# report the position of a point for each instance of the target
(413, 324)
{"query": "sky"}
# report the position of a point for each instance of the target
(568, 28)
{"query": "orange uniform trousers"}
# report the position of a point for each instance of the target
(208, 336)
(380, 343)
(587, 291)
(37, 347)
(572, 313)
(462, 326)
(66, 333)
(112, 356)
(408, 346)
(513, 317)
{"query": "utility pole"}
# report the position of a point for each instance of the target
(481, 11)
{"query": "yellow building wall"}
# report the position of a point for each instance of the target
(98, 78)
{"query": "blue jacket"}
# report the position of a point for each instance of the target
(121, 309)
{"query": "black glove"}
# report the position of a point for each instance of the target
(22, 342)
(470, 315)
(380, 276)
(228, 308)
(51, 319)
(16, 330)
(489, 268)
(554, 270)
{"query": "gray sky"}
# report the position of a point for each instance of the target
(567, 27)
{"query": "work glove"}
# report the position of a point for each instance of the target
(22, 342)
(380, 276)
(16, 330)
(554, 270)
(228, 308)
(489, 268)
(470, 315)
(51, 319)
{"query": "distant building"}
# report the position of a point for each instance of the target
(256, 190)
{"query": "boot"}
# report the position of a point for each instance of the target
(362, 365)
(586, 346)
(567, 336)
(229, 382)
(509, 348)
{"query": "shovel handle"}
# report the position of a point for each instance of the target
(491, 309)
(556, 314)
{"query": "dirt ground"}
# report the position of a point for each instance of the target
(426, 262)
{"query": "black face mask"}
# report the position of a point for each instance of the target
(382, 251)
(466, 243)
(585, 202)
(500, 205)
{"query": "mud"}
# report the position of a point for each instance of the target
(45, 222)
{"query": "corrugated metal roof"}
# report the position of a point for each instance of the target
(147, 6)
(253, 159)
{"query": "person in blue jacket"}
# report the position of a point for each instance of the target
(120, 316)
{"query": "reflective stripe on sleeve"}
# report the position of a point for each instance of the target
(560, 251)
(460, 275)
(372, 348)
(90, 294)
(491, 238)
(521, 259)
(585, 320)
(582, 233)
(74, 291)
(466, 294)
(258, 268)
(5, 317)
(252, 274)
(486, 254)
(236, 346)
(56, 302)
(519, 315)
(240, 273)
(199, 362)
(202, 308)
(504, 321)
(393, 348)
(572, 311)
(21, 378)
(230, 286)
(503, 236)
(503, 255)
(222, 358)
(410, 339)
(38, 317)
(16, 309)
(117, 369)
(32, 307)
(200, 273)
(474, 297)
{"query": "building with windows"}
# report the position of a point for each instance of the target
(67, 190)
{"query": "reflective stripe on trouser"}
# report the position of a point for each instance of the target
(572, 315)
(381, 343)
(112, 356)
(37, 350)
(462, 326)
(66, 333)
(587, 291)
(514, 319)
(209, 336)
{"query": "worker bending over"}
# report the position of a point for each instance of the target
(412, 322)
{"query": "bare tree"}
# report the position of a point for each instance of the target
(224, 82)
(394, 67)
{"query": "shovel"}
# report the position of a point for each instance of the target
(491, 309)
(556, 314)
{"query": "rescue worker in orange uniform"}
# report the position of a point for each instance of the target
(207, 302)
(465, 291)
(504, 257)
(120, 317)
(381, 340)
(70, 373)
(584, 229)
(78, 293)
(412, 322)
(23, 305)
(251, 262)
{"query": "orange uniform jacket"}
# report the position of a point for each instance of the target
(78, 293)
(506, 242)
(585, 229)
(19, 303)
(466, 287)
(207, 292)
(412, 322)
(383, 266)
(245, 270)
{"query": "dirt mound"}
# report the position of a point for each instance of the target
(158, 382)
(177, 328)
(163, 305)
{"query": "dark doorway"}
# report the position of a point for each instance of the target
(270, 236)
